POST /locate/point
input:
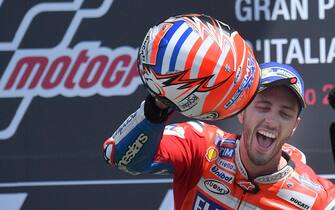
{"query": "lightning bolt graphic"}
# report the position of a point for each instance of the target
(179, 79)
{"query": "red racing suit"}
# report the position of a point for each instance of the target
(207, 170)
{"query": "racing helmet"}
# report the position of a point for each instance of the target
(198, 65)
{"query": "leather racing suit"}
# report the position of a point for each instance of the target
(207, 169)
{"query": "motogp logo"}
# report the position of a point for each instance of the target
(85, 70)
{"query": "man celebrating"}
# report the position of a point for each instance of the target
(213, 169)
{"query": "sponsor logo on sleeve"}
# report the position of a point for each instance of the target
(247, 186)
(133, 149)
(226, 152)
(226, 165)
(299, 203)
(211, 154)
(202, 202)
(222, 174)
(216, 187)
(126, 126)
(299, 199)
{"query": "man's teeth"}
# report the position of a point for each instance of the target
(267, 134)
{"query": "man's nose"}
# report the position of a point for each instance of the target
(271, 120)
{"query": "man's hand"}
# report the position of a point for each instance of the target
(155, 110)
(160, 104)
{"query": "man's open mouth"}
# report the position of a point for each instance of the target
(265, 138)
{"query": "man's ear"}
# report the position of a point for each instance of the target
(240, 116)
(295, 126)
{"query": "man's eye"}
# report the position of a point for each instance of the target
(286, 115)
(262, 108)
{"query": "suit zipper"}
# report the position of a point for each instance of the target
(242, 197)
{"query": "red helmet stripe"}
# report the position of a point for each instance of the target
(157, 41)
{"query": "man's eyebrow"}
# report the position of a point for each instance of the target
(288, 107)
(263, 101)
(266, 102)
